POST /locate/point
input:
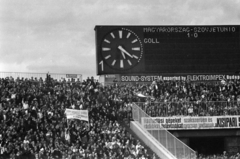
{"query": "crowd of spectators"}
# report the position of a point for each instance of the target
(182, 98)
(224, 155)
(33, 123)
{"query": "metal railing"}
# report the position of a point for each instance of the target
(201, 108)
(39, 75)
(117, 83)
(179, 149)
(147, 83)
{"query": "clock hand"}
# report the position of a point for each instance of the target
(128, 54)
(124, 51)
(123, 55)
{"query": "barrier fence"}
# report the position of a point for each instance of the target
(196, 108)
(149, 83)
(119, 83)
(40, 75)
(179, 149)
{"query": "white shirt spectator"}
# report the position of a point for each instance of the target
(25, 105)
(81, 151)
(13, 96)
(73, 106)
(67, 136)
(25, 141)
(40, 115)
(190, 110)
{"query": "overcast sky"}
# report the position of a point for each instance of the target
(58, 36)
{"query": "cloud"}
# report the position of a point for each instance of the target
(58, 35)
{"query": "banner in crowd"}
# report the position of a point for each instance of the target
(187, 122)
(77, 114)
(71, 75)
(110, 76)
(150, 78)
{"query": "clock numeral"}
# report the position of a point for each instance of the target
(112, 35)
(107, 57)
(134, 56)
(101, 63)
(121, 64)
(134, 41)
(113, 63)
(128, 35)
(136, 48)
(129, 62)
(106, 49)
(120, 34)
(107, 41)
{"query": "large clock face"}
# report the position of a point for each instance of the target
(121, 49)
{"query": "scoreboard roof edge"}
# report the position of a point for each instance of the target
(97, 26)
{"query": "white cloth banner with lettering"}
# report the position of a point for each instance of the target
(77, 114)
(189, 122)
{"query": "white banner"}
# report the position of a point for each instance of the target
(187, 122)
(71, 75)
(77, 114)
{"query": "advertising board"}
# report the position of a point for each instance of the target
(195, 77)
(188, 122)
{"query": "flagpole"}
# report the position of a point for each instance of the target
(88, 125)
(88, 122)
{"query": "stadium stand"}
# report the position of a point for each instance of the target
(181, 98)
(33, 123)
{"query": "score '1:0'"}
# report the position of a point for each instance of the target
(195, 35)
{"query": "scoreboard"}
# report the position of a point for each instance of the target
(167, 49)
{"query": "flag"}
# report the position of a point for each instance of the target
(141, 95)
